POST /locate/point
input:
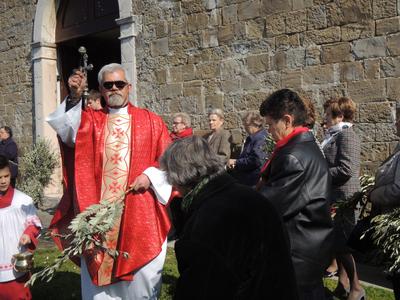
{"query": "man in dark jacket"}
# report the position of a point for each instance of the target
(233, 244)
(296, 180)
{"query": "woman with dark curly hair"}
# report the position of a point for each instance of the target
(296, 180)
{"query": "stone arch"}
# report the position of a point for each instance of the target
(46, 94)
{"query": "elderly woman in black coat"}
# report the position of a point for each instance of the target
(233, 244)
(297, 181)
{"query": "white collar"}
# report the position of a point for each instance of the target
(121, 110)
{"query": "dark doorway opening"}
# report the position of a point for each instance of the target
(102, 48)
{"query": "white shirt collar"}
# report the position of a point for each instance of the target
(121, 110)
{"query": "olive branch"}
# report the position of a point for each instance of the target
(87, 230)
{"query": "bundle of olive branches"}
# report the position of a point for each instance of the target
(386, 235)
(87, 231)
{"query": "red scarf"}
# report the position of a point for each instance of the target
(6, 199)
(281, 143)
(180, 135)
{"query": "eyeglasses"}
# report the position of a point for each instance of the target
(119, 84)
(177, 123)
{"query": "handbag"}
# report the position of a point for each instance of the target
(360, 238)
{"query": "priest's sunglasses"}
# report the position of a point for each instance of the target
(108, 85)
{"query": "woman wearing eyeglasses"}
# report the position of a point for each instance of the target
(219, 138)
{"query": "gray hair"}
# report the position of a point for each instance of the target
(187, 161)
(113, 67)
(253, 118)
(185, 118)
(218, 112)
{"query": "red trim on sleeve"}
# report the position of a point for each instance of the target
(33, 232)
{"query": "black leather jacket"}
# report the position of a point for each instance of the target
(298, 183)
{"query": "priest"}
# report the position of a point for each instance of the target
(106, 152)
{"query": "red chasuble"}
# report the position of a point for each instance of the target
(144, 223)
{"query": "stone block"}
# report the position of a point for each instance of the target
(371, 151)
(191, 7)
(338, 52)
(232, 120)
(301, 4)
(316, 17)
(215, 18)
(384, 8)
(275, 25)
(161, 76)
(162, 29)
(371, 47)
(207, 70)
(274, 6)
(171, 90)
(193, 88)
(197, 22)
(254, 100)
(389, 25)
(351, 71)
(188, 72)
(229, 86)
(372, 68)
(296, 21)
(225, 34)
(209, 4)
(159, 47)
(367, 90)
(292, 79)
(229, 14)
(248, 10)
(366, 131)
(313, 56)
(318, 74)
(230, 68)
(390, 66)
(386, 132)
(250, 82)
(382, 112)
(272, 80)
(295, 58)
(177, 26)
(215, 101)
(257, 63)
(174, 75)
(209, 38)
(357, 31)
(254, 29)
(323, 36)
(284, 42)
(393, 42)
(278, 61)
(393, 89)
(348, 11)
(192, 104)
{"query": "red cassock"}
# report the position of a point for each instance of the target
(145, 223)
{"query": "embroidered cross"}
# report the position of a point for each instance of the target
(115, 187)
(115, 158)
(118, 133)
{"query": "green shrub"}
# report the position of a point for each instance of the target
(35, 169)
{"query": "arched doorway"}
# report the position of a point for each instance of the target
(48, 70)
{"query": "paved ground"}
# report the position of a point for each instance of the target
(369, 275)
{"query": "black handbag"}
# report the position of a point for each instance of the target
(360, 238)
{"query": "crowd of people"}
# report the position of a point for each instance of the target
(258, 226)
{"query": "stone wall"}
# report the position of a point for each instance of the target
(197, 54)
(16, 22)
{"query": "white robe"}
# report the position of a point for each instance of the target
(147, 280)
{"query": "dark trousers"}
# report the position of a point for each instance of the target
(312, 292)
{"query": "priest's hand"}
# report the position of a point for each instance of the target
(24, 240)
(76, 84)
(141, 183)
